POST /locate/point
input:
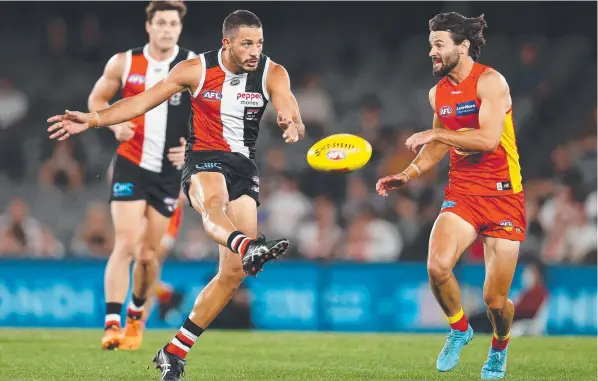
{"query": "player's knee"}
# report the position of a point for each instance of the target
(494, 300)
(231, 276)
(439, 270)
(147, 255)
(125, 244)
(212, 206)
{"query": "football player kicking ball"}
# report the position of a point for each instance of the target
(473, 120)
(230, 89)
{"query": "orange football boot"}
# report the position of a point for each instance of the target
(133, 335)
(112, 339)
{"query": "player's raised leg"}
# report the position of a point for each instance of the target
(145, 276)
(209, 196)
(451, 235)
(214, 297)
(126, 217)
(501, 259)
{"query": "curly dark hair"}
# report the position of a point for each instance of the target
(462, 28)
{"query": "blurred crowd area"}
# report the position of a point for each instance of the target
(373, 83)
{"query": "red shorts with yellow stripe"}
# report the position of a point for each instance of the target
(492, 216)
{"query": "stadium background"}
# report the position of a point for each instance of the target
(356, 67)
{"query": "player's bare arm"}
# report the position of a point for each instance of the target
(493, 92)
(106, 88)
(184, 76)
(285, 104)
(430, 155)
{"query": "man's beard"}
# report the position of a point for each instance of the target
(238, 63)
(453, 61)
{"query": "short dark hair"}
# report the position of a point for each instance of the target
(157, 6)
(462, 28)
(238, 19)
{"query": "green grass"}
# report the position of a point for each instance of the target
(36, 355)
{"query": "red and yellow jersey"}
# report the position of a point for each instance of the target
(477, 173)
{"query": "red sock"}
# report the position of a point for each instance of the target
(499, 345)
(111, 323)
(135, 308)
(459, 321)
(181, 344)
(238, 242)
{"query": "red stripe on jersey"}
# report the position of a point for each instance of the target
(135, 84)
(207, 121)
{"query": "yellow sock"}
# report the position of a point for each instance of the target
(502, 338)
(455, 318)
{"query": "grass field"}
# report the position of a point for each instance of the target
(36, 355)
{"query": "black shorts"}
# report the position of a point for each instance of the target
(131, 182)
(240, 173)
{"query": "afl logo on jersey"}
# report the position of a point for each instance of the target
(136, 79)
(250, 99)
(212, 95)
(446, 110)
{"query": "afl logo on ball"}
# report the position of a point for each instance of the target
(211, 95)
(336, 155)
(446, 110)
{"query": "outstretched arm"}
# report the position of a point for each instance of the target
(493, 92)
(284, 103)
(108, 85)
(430, 155)
(184, 75)
(433, 152)
(180, 78)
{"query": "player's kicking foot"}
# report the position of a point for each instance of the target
(495, 366)
(450, 353)
(171, 366)
(261, 251)
(112, 337)
(133, 336)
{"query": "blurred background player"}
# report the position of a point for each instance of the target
(165, 295)
(231, 88)
(473, 118)
(146, 174)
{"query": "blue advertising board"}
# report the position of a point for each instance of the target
(292, 296)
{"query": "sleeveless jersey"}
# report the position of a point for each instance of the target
(160, 128)
(477, 173)
(227, 107)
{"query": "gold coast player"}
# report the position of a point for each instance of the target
(147, 169)
(230, 89)
(473, 120)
